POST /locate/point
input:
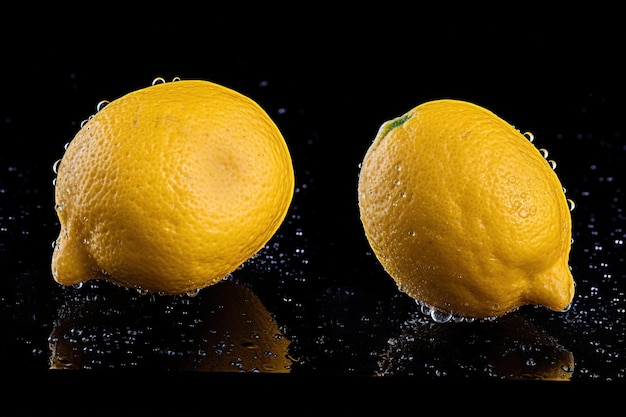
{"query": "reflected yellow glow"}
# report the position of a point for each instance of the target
(226, 328)
(507, 348)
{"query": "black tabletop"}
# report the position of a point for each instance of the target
(328, 78)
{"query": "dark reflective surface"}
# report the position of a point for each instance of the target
(224, 329)
(315, 302)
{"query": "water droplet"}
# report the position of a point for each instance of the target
(552, 163)
(175, 79)
(55, 166)
(411, 232)
(193, 293)
(158, 80)
(571, 204)
(102, 104)
(424, 309)
(440, 316)
(529, 136)
(544, 152)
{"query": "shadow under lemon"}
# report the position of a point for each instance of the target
(509, 348)
(225, 328)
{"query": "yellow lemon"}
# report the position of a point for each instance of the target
(170, 188)
(465, 213)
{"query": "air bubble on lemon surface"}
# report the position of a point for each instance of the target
(170, 188)
(487, 227)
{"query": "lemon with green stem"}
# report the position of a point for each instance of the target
(465, 213)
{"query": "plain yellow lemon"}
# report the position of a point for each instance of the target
(170, 188)
(465, 213)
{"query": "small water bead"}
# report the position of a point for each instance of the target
(161, 80)
(552, 163)
(193, 293)
(84, 122)
(571, 204)
(102, 104)
(529, 136)
(158, 80)
(55, 166)
(440, 316)
(544, 152)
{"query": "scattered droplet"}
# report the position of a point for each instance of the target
(544, 152)
(102, 104)
(529, 136)
(55, 166)
(193, 293)
(440, 316)
(571, 204)
(158, 80)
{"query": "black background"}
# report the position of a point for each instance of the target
(329, 77)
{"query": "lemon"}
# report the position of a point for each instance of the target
(170, 188)
(465, 213)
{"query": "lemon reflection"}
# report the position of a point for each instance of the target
(225, 328)
(507, 348)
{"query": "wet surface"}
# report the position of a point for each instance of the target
(315, 302)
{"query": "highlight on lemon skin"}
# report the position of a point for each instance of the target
(465, 213)
(170, 188)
